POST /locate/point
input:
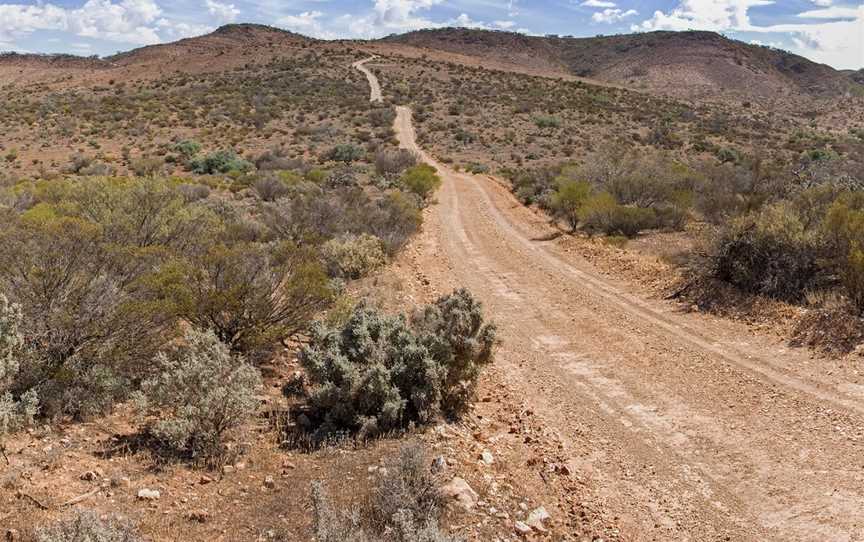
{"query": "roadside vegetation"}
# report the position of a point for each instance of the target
(204, 232)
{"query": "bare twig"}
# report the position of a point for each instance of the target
(33, 500)
(79, 498)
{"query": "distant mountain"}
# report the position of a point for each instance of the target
(694, 65)
(691, 64)
(229, 39)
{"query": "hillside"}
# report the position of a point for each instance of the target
(227, 47)
(687, 64)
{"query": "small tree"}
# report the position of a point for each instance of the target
(202, 392)
(421, 179)
(569, 198)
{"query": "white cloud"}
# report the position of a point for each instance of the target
(830, 12)
(224, 13)
(610, 16)
(598, 4)
(504, 25)
(837, 38)
(307, 23)
(174, 30)
(717, 15)
(130, 21)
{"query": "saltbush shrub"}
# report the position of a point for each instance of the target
(377, 372)
(353, 256)
(404, 506)
(15, 412)
(345, 153)
(219, 162)
(188, 148)
(201, 391)
(88, 527)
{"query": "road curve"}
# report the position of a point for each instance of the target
(374, 86)
(691, 429)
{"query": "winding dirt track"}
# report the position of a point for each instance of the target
(374, 86)
(689, 428)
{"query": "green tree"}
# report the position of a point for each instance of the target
(422, 180)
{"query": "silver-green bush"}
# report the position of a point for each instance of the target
(353, 256)
(404, 506)
(88, 527)
(15, 412)
(378, 372)
(202, 391)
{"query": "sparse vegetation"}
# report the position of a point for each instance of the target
(377, 373)
(404, 506)
(202, 392)
(88, 527)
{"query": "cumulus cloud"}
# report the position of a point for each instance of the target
(224, 13)
(307, 23)
(610, 16)
(598, 4)
(130, 21)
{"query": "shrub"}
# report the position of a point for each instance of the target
(88, 527)
(192, 192)
(394, 162)
(769, 253)
(15, 413)
(409, 490)
(404, 506)
(353, 256)
(202, 392)
(394, 219)
(345, 153)
(270, 188)
(147, 167)
(601, 213)
(547, 121)
(188, 149)
(853, 278)
(220, 162)
(568, 199)
(76, 284)
(251, 294)
(422, 180)
(377, 373)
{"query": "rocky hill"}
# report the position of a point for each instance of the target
(687, 64)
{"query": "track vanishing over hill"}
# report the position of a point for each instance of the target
(688, 427)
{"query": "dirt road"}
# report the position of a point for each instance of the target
(374, 86)
(690, 428)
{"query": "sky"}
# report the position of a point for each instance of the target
(826, 31)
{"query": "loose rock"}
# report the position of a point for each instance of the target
(149, 494)
(459, 491)
(536, 518)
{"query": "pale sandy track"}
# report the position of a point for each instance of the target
(374, 86)
(688, 429)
